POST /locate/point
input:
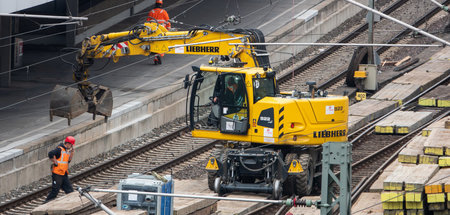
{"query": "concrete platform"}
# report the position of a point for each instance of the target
(184, 206)
(239, 208)
(71, 203)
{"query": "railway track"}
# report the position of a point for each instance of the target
(370, 151)
(340, 56)
(151, 155)
(167, 153)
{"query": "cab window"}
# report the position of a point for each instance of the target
(263, 87)
(233, 93)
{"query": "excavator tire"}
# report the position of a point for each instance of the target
(304, 181)
(258, 37)
(289, 184)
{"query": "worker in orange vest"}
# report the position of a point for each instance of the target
(159, 15)
(61, 157)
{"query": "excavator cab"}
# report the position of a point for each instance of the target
(229, 111)
(227, 104)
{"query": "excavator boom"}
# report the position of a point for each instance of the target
(147, 39)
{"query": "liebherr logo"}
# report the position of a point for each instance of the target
(336, 133)
(202, 49)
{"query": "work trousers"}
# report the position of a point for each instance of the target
(59, 182)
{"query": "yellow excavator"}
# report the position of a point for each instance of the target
(272, 139)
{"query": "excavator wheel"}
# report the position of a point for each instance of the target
(218, 153)
(211, 177)
(289, 184)
(304, 181)
(277, 189)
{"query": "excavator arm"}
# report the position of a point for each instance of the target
(147, 39)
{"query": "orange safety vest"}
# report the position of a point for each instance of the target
(161, 17)
(63, 163)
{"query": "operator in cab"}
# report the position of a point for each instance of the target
(159, 15)
(230, 95)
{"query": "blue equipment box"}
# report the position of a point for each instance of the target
(155, 205)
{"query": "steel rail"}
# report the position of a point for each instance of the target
(332, 49)
(382, 49)
(95, 169)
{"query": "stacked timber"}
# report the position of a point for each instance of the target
(402, 122)
(432, 147)
(403, 190)
(438, 144)
(397, 92)
(413, 151)
(367, 110)
(437, 192)
(411, 84)
(435, 125)
(439, 97)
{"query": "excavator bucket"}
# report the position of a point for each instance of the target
(67, 102)
(102, 103)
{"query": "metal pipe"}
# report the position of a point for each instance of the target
(62, 23)
(95, 201)
(338, 44)
(43, 16)
(400, 22)
(370, 54)
(206, 42)
(189, 196)
(445, 8)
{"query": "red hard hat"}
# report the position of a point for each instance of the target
(70, 140)
(158, 1)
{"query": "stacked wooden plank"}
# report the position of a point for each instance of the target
(435, 125)
(411, 84)
(438, 144)
(438, 192)
(403, 190)
(397, 92)
(432, 147)
(439, 97)
(377, 108)
(402, 122)
(413, 151)
(367, 110)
